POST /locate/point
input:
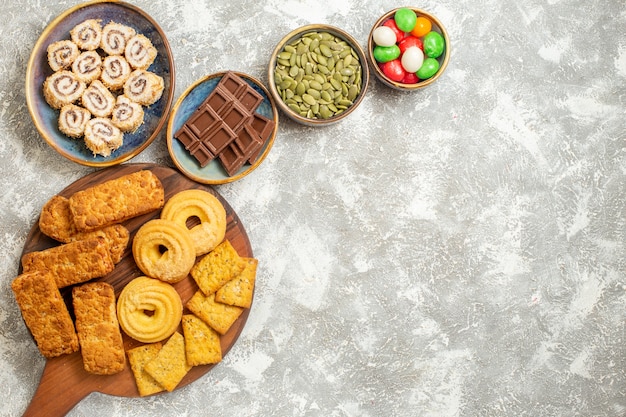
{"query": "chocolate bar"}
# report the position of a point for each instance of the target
(226, 125)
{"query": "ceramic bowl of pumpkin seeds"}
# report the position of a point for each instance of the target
(318, 75)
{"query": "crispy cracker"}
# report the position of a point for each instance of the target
(169, 366)
(202, 343)
(239, 290)
(101, 344)
(45, 313)
(72, 263)
(217, 268)
(138, 358)
(217, 315)
(116, 200)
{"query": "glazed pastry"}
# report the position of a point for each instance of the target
(87, 66)
(87, 35)
(102, 137)
(98, 99)
(61, 54)
(139, 52)
(73, 119)
(115, 72)
(61, 88)
(127, 115)
(205, 206)
(144, 87)
(164, 250)
(115, 37)
(149, 310)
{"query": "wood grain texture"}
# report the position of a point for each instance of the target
(64, 382)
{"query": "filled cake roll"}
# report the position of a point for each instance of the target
(73, 119)
(127, 115)
(62, 54)
(144, 87)
(87, 35)
(61, 88)
(115, 36)
(139, 52)
(87, 66)
(98, 99)
(102, 136)
(115, 72)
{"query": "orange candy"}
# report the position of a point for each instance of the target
(422, 27)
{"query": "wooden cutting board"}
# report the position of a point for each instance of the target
(64, 382)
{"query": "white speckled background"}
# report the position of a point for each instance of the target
(459, 251)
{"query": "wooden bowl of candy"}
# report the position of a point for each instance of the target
(318, 75)
(408, 48)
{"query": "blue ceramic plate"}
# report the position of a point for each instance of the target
(188, 102)
(46, 118)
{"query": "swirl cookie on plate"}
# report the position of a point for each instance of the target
(99, 68)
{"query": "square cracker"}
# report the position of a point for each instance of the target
(217, 268)
(238, 291)
(202, 343)
(169, 366)
(138, 358)
(217, 315)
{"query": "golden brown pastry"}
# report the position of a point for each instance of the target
(72, 263)
(45, 313)
(99, 336)
(116, 200)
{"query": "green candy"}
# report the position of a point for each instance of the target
(405, 19)
(386, 53)
(433, 44)
(428, 69)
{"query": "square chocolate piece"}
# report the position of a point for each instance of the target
(219, 138)
(232, 83)
(232, 159)
(186, 137)
(248, 140)
(250, 98)
(203, 120)
(201, 153)
(262, 125)
(219, 99)
(235, 116)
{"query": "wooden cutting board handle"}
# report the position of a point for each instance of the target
(58, 391)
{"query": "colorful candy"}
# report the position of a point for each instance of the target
(412, 59)
(405, 19)
(406, 47)
(428, 68)
(433, 44)
(386, 53)
(384, 36)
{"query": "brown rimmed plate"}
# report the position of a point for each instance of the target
(45, 117)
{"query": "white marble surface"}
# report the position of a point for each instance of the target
(459, 251)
